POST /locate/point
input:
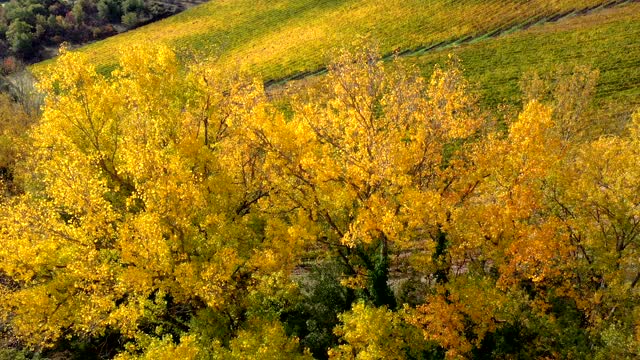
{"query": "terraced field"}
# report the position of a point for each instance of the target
(279, 38)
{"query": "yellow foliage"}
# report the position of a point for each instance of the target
(266, 341)
(374, 333)
(154, 196)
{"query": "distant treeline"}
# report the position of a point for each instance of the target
(27, 27)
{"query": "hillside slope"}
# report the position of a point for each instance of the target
(276, 39)
(498, 41)
(606, 40)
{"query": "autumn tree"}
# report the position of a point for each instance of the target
(135, 221)
(175, 212)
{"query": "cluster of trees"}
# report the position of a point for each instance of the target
(27, 26)
(158, 214)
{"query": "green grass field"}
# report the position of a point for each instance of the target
(608, 40)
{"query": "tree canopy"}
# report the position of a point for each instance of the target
(170, 213)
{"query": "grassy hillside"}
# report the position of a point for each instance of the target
(278, 38)
(606, 40)
(498, 41)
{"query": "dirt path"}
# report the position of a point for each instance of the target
(537, 20)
